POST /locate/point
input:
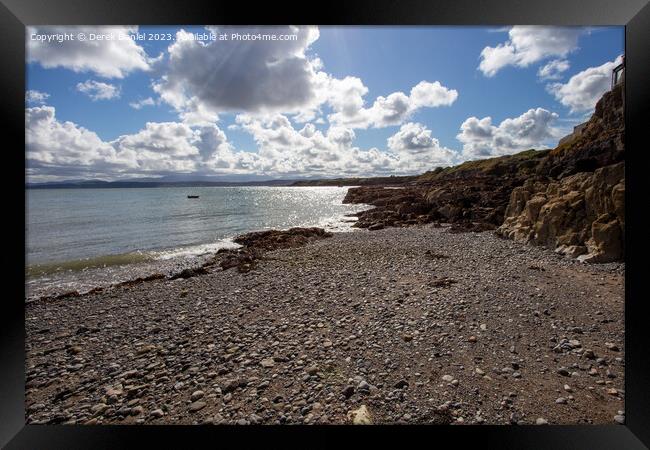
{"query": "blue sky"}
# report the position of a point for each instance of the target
(245, 121)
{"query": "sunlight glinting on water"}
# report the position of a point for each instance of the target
(78, 236)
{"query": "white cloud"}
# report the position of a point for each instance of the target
(414, 145)
(432, 95)
(583, 90)
(33, 96)
(385, 111)
(282, 96)
(412, 137)
(341, 135)
(97, 90)
(527, 45)
(161, 138)
(58, 149)
(197, 113)
(106, 58)
(553, 69)
(285, 150)
(142, 103)
(236, 76)
(281, 148)
(61, 148)
(277, 77)
(346, 95)
(482, 139)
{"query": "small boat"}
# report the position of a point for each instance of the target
(192, 196)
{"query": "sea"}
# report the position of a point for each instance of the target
(79, 239)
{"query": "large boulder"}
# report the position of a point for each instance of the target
(606, 241)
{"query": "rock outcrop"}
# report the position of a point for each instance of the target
(274, 239)
(602, 142)
(255, 244)
(582, 215)
(473, 196)
(394, 206)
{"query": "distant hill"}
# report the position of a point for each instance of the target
(205, 182)
(99, 184)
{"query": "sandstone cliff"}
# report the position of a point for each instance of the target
(582, 215)
(577, 206)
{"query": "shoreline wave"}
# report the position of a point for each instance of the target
(83, 275)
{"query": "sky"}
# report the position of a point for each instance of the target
(246, 103)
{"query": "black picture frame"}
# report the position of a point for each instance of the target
(15, 15)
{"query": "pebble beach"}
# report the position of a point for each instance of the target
(414, 325)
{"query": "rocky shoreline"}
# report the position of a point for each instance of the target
(401, 325)
(570, 199)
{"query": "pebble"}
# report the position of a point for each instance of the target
(230, 386)
(196, 395)
(401, 384)
(348, 391)
(267, 362)
(360, 416)
(197, 406)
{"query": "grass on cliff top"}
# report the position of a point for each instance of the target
(519, 163)
(371, 181)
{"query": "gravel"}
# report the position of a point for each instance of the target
(316, 335)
